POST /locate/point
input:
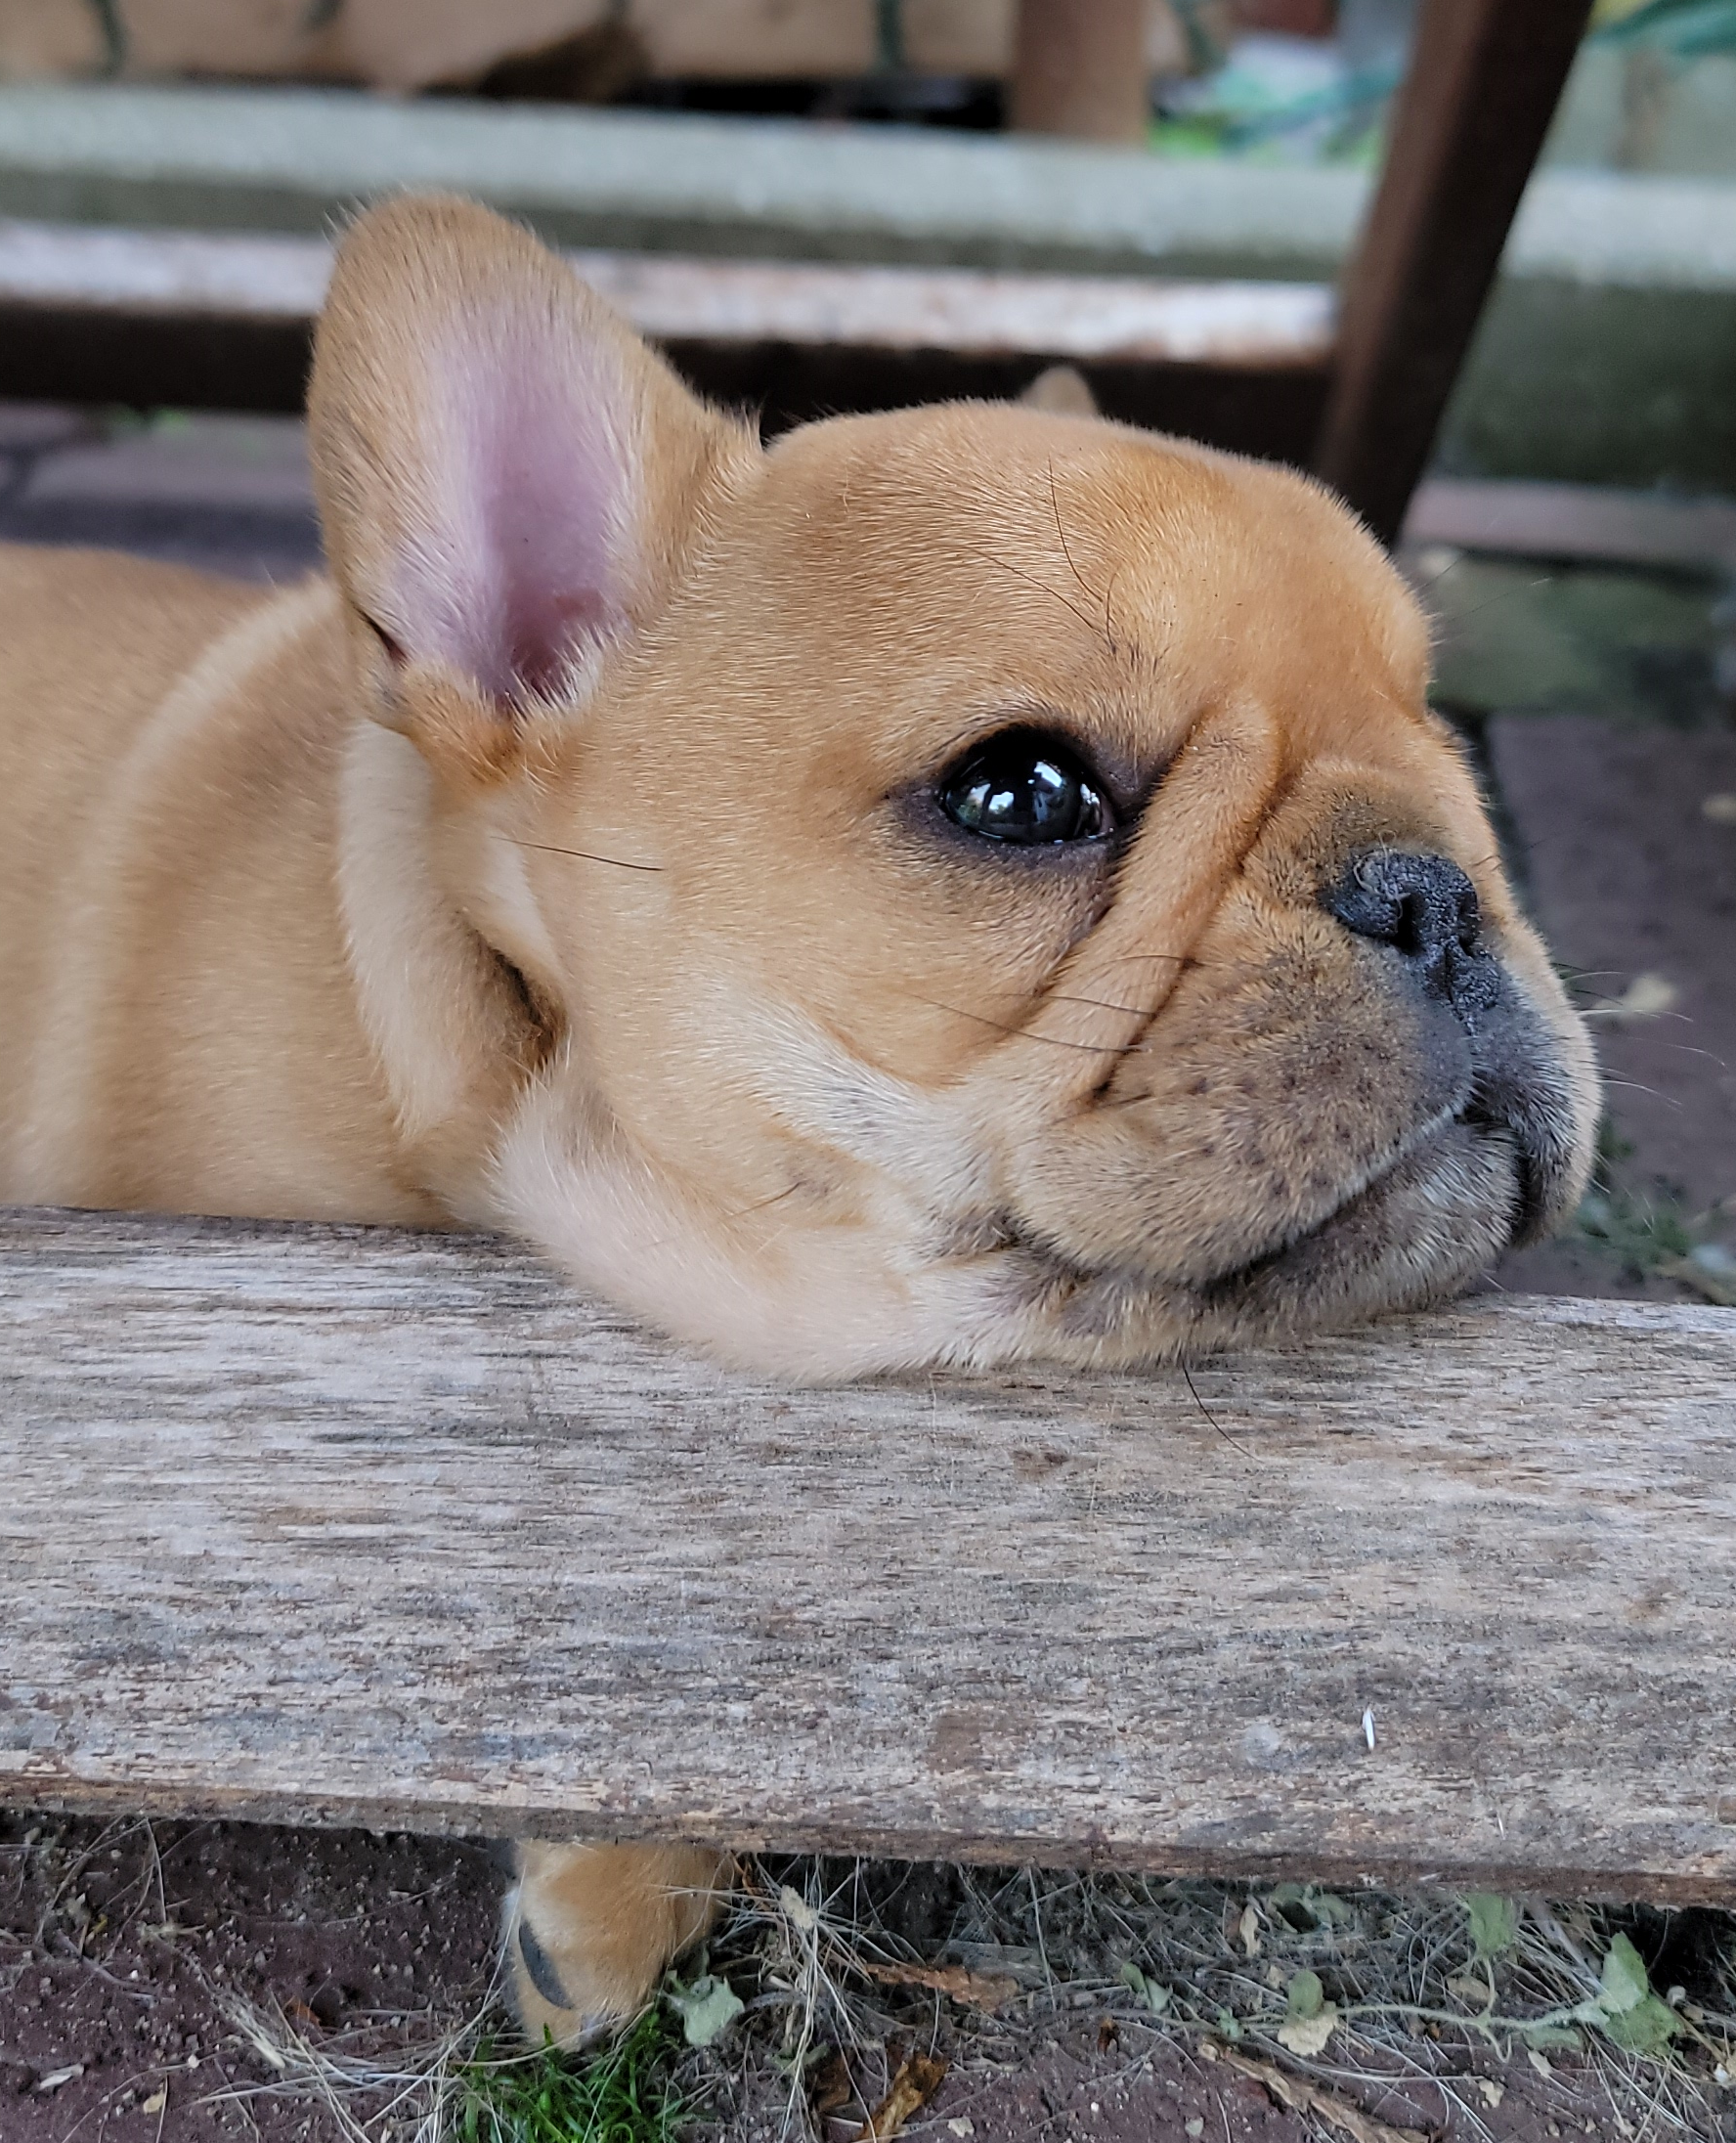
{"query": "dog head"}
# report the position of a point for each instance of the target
(958, 885)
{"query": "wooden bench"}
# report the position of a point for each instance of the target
(318, 1525)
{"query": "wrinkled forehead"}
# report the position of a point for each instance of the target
(990, 557)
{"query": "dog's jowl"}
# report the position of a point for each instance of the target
(956, 886)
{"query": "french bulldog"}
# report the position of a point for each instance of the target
(949, 886)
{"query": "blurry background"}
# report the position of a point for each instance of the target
(1294, 81)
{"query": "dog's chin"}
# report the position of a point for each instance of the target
(1422, 1231)
(897, 1283)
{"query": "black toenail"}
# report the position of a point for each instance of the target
(540, 1966)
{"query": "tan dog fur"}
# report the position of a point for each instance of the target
(569, 863)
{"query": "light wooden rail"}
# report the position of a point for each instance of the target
(224, 321)
(345, 1525)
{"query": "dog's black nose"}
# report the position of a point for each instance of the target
(1426, 910)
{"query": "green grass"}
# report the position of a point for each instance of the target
(621, 2094)
(1643, 1234)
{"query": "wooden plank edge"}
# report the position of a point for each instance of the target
(101, 1252)
(27, 1792)
(211, 278)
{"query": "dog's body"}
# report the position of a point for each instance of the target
(958, 885)
(180, 1031)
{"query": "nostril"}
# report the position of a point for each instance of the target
(1410, 934)
(1426, 910)
(1416, 903)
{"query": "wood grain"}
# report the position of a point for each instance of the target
(345, 1525)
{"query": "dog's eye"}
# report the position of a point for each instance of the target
(1024, 788)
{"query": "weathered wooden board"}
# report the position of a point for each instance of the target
(346, 1525)
(217, 320)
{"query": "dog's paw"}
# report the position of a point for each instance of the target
(590, 1929)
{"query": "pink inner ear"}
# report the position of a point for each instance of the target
(517, 562)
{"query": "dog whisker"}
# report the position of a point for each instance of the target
(1651, 1093)
(741, 1212)
(1032, 580)
(1073, 567)
(1057, 1041)
(584, 855)
(1190, 959)
(1100, 1004)
(1507, 594)
(1187, 1379)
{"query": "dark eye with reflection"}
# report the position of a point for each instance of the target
(1024, 788)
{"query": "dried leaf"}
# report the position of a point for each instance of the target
(984, 1990)
(1305, 1907)
(1004, 1960)
(829, 2086)
(1646, 997)
(915, 2083)
(1309, 2019)
(797, 1909)
(1248, 1927)
(157, 2100)
(1302, 2097)
(56, 2076)
(1308, 2035)
(1492, 2093)
(1478, 1992)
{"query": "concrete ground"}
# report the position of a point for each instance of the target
(1599, 699)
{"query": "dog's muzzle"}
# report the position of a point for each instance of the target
(1425, 911)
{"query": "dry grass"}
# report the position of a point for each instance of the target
(838, 1958)
(1398, 1987)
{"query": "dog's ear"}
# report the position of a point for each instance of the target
(1062, 391)
(507, 476)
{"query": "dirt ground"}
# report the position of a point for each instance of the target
(127, 1954)
(131, 1955)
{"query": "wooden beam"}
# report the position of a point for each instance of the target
(198, 321)
(1577, 521)
(1484, 80)
(1079, 70)
(345, 1525)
